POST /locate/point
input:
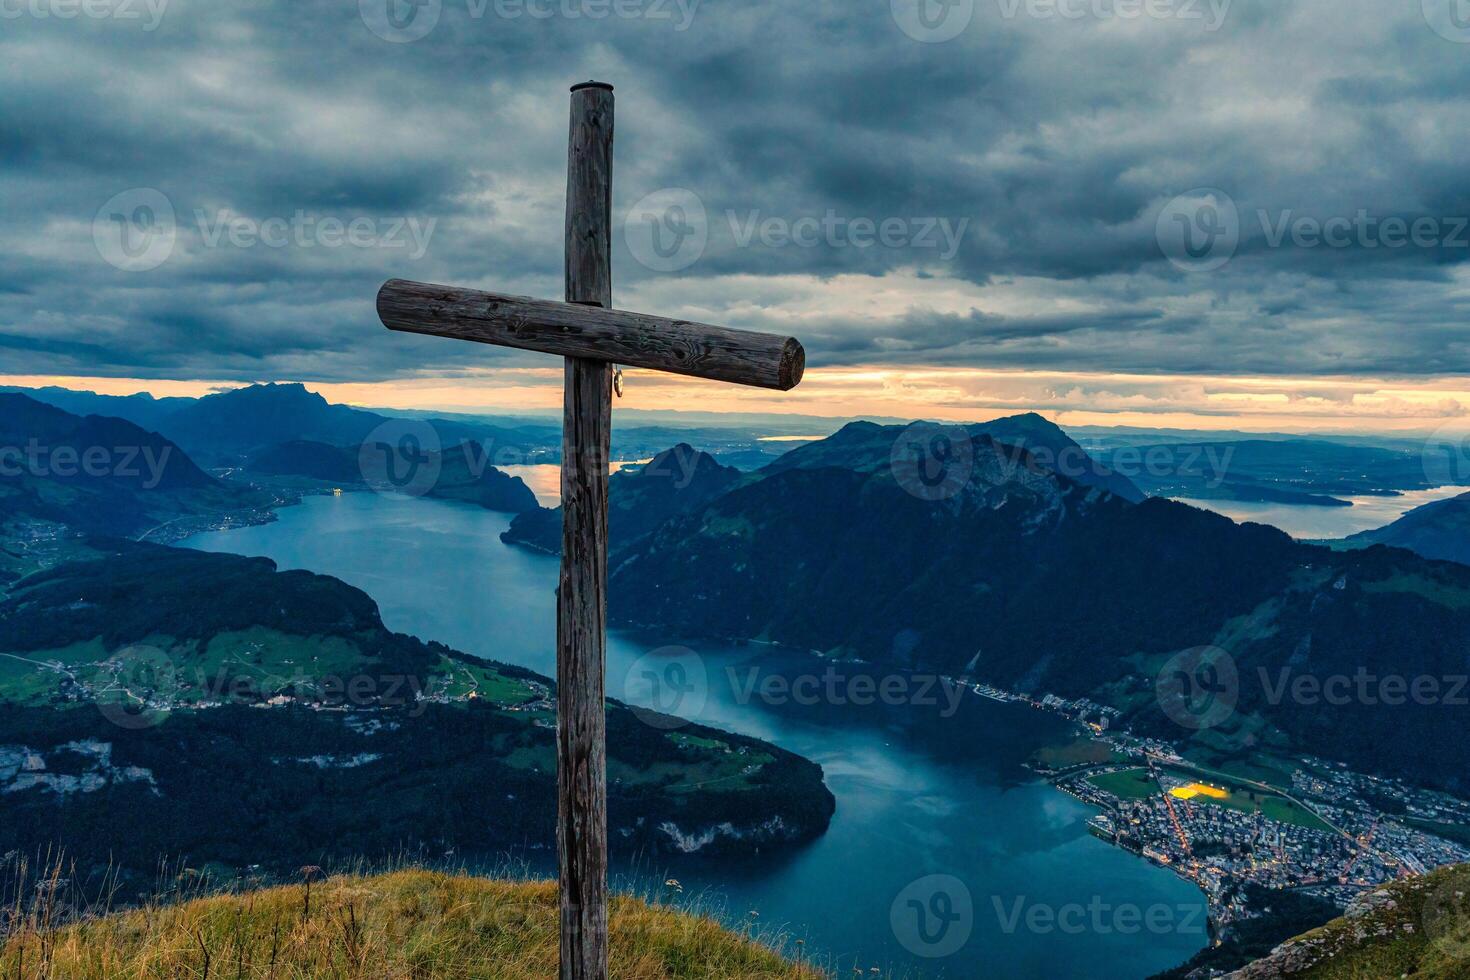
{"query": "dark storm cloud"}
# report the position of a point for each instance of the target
(1047, 144)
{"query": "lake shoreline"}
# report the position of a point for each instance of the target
(918, 792)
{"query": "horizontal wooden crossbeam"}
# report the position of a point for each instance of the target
(634, 339)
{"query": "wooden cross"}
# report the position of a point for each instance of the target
(592, 337)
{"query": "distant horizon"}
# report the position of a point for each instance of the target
(1316, 406)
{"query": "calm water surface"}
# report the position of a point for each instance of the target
(544, 479)
(1365, 514)
(920, 790)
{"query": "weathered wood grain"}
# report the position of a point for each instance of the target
(635, 339)
(592, 337)
(581, 609)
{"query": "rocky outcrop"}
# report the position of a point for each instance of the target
(1425, 921)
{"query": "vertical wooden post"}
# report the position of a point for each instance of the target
(581, 621)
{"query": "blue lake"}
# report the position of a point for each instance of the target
(1315, 523)
(941, 844)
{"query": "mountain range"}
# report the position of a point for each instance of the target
(1291, 470)
(252, 418)
(1440, 529)
(101, 475)
(218, 429)
(462, 472)
(867, 447)
(1037, 581)
(1040, 571)
(681, 479)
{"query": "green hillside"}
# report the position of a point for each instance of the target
(1416, 928)
(227, 712)
(62, 473)
(410, 924)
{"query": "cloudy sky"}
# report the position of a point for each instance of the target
(1251, 213)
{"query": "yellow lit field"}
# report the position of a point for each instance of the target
(1198, 789)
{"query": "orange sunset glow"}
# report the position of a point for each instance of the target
(953, 394)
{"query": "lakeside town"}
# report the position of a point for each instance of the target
(1331, 833)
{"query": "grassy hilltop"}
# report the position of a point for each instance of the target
(409, 924)
(1418, 927)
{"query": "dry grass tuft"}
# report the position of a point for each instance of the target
(407, 925)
